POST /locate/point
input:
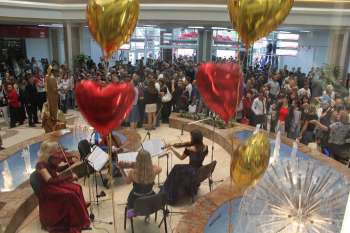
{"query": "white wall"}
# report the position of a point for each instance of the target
(38, 48)
(89, 46)
(313, 51)
(85, 41)
(61, 51)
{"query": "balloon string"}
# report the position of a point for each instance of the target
(111, 180)
(230, 209)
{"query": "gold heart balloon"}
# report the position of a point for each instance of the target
(112, 22)
(250, 160)
(254, 19)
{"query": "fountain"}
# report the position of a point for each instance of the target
(8, 181)
(276, 152)
(26, 157)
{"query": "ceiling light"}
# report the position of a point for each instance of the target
(283, 32)
(305, 31)
(54, 25)
(220, 28)
(196, 27)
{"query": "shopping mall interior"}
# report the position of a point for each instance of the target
(238, 137)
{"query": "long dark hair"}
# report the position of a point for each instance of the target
(196, 138)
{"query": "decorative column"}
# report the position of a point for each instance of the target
(204, 45)
(53, 42)
(72, 34)
(339, 49)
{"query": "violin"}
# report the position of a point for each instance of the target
(180, 145)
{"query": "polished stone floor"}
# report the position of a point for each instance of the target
(104, 210)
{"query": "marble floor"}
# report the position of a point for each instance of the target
(104, 210)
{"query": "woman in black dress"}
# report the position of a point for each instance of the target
(182, 178)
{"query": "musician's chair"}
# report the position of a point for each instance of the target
(146, 206)
(34, 181)
(203, 173)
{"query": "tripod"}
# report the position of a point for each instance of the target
(167, 166)
(88, 164)
(102, 194)
(211, 181)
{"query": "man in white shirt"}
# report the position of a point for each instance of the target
(274, 86)
(305, 91)
(259, 109)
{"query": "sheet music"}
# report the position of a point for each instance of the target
(127, 157)
(98, 159)
(154, 147)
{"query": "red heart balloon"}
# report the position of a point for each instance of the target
(104, 107)
(221, 87)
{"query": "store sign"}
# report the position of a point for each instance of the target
(287, 44)
(286, 36)
(166, 38)
(12, 31)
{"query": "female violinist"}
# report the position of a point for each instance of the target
(141, 175)
(62, 207)
(181, 180)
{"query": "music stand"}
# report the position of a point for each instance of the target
(96, 159)
(85, 152)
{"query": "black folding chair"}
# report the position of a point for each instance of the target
(34, 180)
(203, 173)
(145, 206)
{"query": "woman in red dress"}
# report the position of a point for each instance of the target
(62, 208)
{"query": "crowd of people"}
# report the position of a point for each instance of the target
(297, 104)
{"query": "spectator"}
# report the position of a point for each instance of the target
(151, 100)
(31, 96)
(283, 123)
(307, 134)
(274, 86)
(259, 109)
(63, 89)
(296, 120)
(166, 101)
(339, 135)
(3, 104)
(134, 115)
(247, 106)
(305, 91)
(14, 105)
(39, 80)
(316, 87)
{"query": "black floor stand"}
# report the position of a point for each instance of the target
(102, 194)
(211, 181)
